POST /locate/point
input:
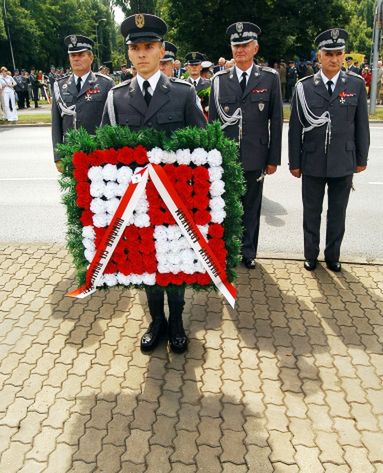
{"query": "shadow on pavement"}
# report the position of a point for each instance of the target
(272, 211)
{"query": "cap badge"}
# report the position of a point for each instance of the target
(239, 27)
(140, 20)
(73, 39)
(194, 55)
(335, 34)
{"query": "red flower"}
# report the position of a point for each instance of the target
(83, 194)
(126, 155)
(86, 218)
(200, 201)
(140, 155)
(216, 230)
(81, 160)
(202, 217)
(184, 173)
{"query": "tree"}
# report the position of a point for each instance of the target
(130, 7)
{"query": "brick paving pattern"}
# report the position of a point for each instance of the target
(290, 381)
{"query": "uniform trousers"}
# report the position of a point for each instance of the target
(156, 300)
(252, 203)
(338, 192)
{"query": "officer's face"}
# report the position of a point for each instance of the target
(331, 61)
(194, 70)
(243, 54)
(146, 57)
(81, 62)
(167, 68)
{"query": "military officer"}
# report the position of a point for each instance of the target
(167, 62)
(78, 98)
(328, 142)
(152, 100)
(194, 68)
(247, 100)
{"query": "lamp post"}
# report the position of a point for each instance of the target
(101, 20)
(377, 34)
(9, 36)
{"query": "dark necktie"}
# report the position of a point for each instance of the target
(78, 85)
(243, 82)
(195, 83)
(329, 84)
(147, 95)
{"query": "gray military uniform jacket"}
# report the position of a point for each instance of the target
(173, 106)
(350, 134)
(89, 105)
(261, 106)
(202, 83)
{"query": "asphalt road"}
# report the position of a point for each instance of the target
(31, 211)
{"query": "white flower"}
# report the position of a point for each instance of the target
(149, 279)
(198, 268)
(142, 205)
(183, 156)
(217, 203)
(199, 157)
(109, 172)
(124, 175)
(204, 229)
(89, 254)
(110, 279)
(88, 244)
(214, 158)
(174, 258)
(173, 232)
(100, 220)
(163, 267)
(97, 188)
(110, 190)
(217, 188)
(215, 173)
(169, 157)
(136, 278)
(141, 220)
(95, 173)
(155, 155)
(187, 256)
(123, 279)
(111, 205)
(218, 216)
(97, 206)
(160, 233)
(88, 232)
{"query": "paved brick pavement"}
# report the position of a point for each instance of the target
(291, 381)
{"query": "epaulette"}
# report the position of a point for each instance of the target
(354, 74)
(268, 69)
(179, 81)
(122, 84)
(305, 78)
(98, 74)
(62, 77)
(220, 73)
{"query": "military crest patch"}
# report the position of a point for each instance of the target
(139, 20)
(335, 34)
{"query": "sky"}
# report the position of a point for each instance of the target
(118, 15)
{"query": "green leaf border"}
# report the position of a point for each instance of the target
(116, 137)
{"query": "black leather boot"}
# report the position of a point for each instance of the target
(158, 326)
(178, 340)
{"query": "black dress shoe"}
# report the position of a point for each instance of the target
(249, 263)
(334, 266)
(310, 264)
(156, 331)
(178, 340)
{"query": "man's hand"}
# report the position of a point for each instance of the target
(270, 169)
(296, 172)
(360, 168)
(59, 166)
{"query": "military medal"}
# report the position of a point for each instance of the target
(88, 97)
(65, 86)
(261, 106)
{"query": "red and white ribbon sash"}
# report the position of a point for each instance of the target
(180, 214)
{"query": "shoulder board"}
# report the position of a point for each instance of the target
(98, 74)
(62, 77)
(354, 74)
(220, 73)
(180, 81)
(122, 84)
(268, 69)
(305, 78)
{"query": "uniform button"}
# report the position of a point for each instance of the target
(149, 124)
(170, 117)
